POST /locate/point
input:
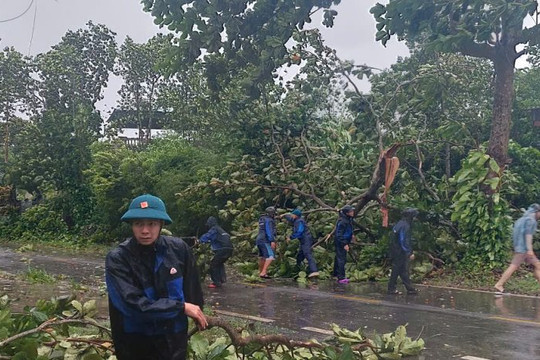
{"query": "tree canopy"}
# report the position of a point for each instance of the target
(315, 141)
(486, 29)
(237, 34)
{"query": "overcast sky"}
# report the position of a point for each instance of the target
(46, 21)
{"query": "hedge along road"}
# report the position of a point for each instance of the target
(455, 324)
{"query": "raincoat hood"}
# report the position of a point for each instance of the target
(212, 221)
(534, 208)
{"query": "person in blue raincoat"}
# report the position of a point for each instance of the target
(302, 233)
(153, 287)
(401, 252)
(343, 237)
(522, 236)
(220, 242)
(266, 241)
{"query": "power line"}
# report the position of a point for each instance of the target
(20, 15)
(33, 28)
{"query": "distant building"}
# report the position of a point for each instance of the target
(535, 114)
(127, 125)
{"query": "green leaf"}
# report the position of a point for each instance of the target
(493, 182)
(494, 166)
(77, 305)
(199, 344)
(346, 354)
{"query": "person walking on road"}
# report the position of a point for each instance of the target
(401, 252)
(220, 242)
(153, 287)
(343, 237)
(266, 241)
(522, 236)
(302, 233)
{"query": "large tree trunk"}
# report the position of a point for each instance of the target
(502, 106)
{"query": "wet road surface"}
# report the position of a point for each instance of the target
(76, 268)
(82, 277)
(455, 324)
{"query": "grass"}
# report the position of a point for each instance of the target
(521, 282)
(75, 249)
(38, 276)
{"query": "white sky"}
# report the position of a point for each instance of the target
(46, 21)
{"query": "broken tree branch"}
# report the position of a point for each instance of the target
(280, 153)
(421, 173)
(50, 323)
(306, 149)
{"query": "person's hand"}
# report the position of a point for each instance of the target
(195, 312)
(288, 240)
(411, 257)
(273, 245)
(346, 247)
(530, 252)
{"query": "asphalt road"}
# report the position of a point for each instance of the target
(455, 324)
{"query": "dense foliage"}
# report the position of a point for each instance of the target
(484, 29)
(246, 138)
(314, 141)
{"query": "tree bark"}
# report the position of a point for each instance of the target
(499, 138)
(447, 161)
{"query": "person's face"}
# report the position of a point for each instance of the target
(538, 215)
(350, 213)
(146, 231)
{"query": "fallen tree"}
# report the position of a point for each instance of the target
(64, 328)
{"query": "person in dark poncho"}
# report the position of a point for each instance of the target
(343, 237)
(302, 233)
(220, 242)
(153, 287)
(266, 240)
(401, 252)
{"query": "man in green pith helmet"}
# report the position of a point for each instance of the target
(153, 287)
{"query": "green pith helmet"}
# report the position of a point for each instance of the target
(297, 212)
(147, 207)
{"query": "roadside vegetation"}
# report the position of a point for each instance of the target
(64, 328)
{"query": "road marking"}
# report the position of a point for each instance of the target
(249, 317)
(530, 322)
(317, 330)
(473, 358)
(357, 298)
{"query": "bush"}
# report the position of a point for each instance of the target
(39, 221)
